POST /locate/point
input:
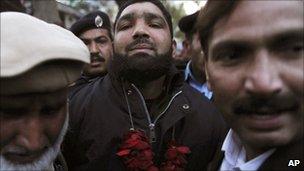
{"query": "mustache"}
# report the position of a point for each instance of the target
(138, 42)
(254, 104)
(97, 57)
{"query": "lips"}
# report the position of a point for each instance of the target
(95, 64)
(141, 46)
(22, 158)
(264, 122)
(96, 60)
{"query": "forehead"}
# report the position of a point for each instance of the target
(252, 19)
(142, 7)
(94, 32)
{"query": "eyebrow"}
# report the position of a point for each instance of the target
(95, 38)
(274, 39)
(126, 17)
(287, 36)
(147, 16)
(151, 16)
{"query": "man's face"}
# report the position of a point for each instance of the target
(142, 38)
(255, 68)
(100, 46)
(197, 55)
(32, 129)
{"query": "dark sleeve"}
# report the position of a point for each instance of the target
(209, 125)
(71, 150)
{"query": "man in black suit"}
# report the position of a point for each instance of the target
(142, 93)
(254, 66)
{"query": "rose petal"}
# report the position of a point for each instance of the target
(171, 153)
(123, 152)
(183, 149)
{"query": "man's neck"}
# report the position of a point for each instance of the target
(153, 89)
(252, 153)
(198, 75)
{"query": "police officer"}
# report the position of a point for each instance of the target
(95, 30)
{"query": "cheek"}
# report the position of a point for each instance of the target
(120, 42)
(8, 130)
(162, 39)
(226, 86)
(55, 125)
(107, 51)
(293, 77)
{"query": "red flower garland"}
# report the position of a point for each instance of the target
(137, 154)
(175, 156)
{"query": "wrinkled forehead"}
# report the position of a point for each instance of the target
(141, 10)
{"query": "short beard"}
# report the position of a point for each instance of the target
(141, 68)
(44, 162)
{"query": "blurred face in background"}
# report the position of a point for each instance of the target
(32, 129)
(255, 69)
(197, 57)
(99, 44)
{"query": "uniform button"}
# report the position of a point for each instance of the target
(129, 92)
(185, 106)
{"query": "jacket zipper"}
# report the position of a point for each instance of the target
(152, 124)
(152, 131)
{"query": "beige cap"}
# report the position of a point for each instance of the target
(38, 56)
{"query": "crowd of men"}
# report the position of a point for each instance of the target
(106, 96)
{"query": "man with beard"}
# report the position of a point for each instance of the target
(95, 30)
(36, 67)
(134, 117)
(194, 72)
(254, 65)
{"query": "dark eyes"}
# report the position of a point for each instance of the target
(47, 110)
(101, 40)
(86, 42)
(234, 54)
(156, 25)
(124, 27)
(230, 56)
(293, 48)
(12, 112)
(19, 112)
(129, 25)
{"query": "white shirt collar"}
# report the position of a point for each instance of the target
(202, 88)
(235, 155)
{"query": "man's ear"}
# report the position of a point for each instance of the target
(186, 46)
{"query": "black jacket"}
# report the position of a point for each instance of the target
(99, 118)
(59, 163)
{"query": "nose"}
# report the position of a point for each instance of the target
(32, 135)
(140, 30)
(263, 75)
(93, 47)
